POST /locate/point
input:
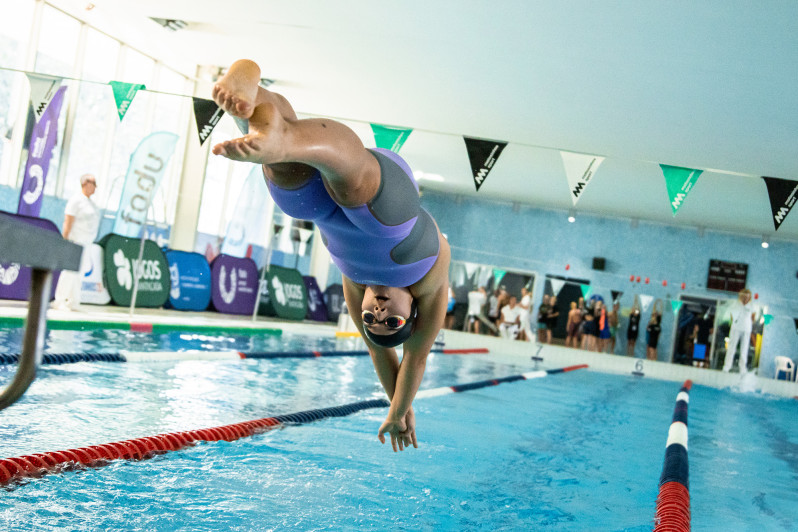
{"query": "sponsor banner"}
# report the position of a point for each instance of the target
(190, 276)
(92, 287)
(144, 173)
(287, 294)
(616, 295)
(579, 170)
(207, 115)
(15, 278)
(42, 90)
(234, 284)
(43, 137)
(124, 94)
(482, 154)
(390, 138)
(250, 220)
(317, 310)
(334, 300)
(679, 182)
(120, 262)
(782, 194)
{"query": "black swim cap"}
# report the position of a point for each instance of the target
(394, 339)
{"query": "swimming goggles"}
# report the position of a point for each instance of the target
(392, 322)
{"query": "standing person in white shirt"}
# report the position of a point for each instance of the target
(526, 306)
(740, 332)
(81, 222)
(476, 300)
(510, 320)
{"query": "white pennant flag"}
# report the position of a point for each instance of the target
(579, 170)
(556, 285)
(42, 90)
(645, 301)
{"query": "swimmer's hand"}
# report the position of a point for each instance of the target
(403, 431)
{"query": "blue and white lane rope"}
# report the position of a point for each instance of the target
(673, 502)
(35, 465)
(166, 356)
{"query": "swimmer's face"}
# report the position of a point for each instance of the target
(386, 301)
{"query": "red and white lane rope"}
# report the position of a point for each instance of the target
(35, 465)
(673, 502)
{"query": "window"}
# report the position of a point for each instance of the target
(95, 117)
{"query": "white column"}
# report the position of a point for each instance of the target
(319, 259)
(192, 179)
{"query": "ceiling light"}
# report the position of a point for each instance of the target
(418, 174)
(89, 7)
(572, 216)
(765, 243)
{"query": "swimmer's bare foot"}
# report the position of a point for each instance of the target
(237, 92)
(266, 141)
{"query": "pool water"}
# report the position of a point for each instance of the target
(575, 451)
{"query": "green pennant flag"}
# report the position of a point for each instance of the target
(390, 138)
(585, 290)
(498, 275)
(680, 182)
(124, 94)
(676, 305)
(768, 318)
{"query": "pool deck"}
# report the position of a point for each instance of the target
(12, 314)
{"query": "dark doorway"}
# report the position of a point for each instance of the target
(570, 291)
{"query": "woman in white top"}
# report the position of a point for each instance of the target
(81, 222)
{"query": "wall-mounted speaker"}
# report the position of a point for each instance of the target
(599, 263)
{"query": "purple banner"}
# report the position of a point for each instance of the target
(15, 279)
(317, 310)
(234, 284)
(42, 141)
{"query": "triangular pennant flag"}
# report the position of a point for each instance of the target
(645, 301)
(498, 275)
(124, 94)
(579, 170)
(616, 295)
(470, 268)
(585, 290)
(782, 193)
(796, 324)
(679, 182)
(676, 305)
(482, 154)
(556, 286)
(207, 114)
(768, 318)
(42, 90)
(390, 138)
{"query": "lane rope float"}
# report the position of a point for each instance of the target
(673, 501)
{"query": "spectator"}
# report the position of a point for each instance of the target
(572, 327)
(652, 333)
(589, 331)
(614, 320)
(510, 319)
(742, 314)
(476, 300)
(450, 309)
(543, 313)
(551, 318)
(493, 307)
(526, 306)
(633, 329)
(81, 222)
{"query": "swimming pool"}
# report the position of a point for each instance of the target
(577, 451)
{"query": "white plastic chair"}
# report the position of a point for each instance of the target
(787, 365)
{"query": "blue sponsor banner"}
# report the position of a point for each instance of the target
(147, 167)
(317, 310)
(190, 275)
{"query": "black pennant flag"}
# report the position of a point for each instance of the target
(615, 295)
(482, 154)
(782, 193)
(796, 324)
(207, 114)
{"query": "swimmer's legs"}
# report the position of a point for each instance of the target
(277, 137)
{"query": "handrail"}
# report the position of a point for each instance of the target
(44, 251)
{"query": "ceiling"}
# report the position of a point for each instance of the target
(705, 85)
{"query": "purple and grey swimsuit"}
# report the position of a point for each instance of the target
(388, 241)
